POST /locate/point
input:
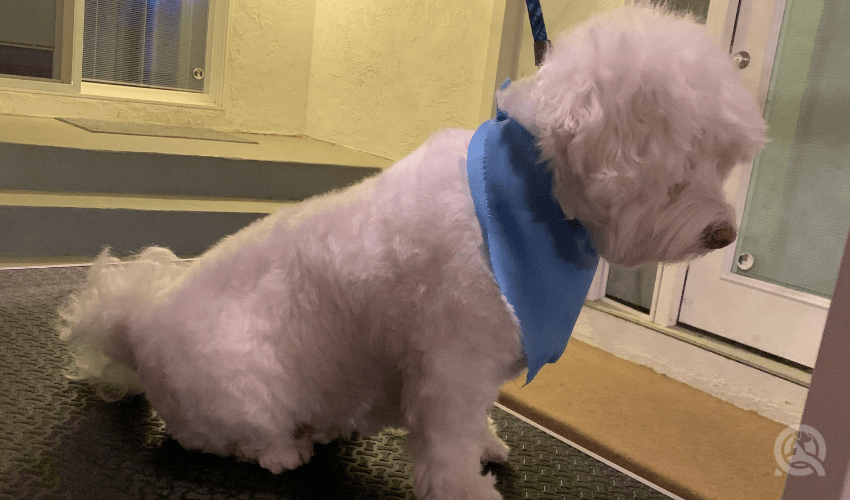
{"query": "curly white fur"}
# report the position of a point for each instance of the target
(95, 318)
(374, 306)
(641, 116)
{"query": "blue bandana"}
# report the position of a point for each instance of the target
(543, 262)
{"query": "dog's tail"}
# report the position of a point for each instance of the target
(95, 320)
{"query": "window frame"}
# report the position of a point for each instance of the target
(71, 83)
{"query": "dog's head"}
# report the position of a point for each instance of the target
(641, 116)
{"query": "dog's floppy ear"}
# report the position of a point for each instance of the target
(548, 104)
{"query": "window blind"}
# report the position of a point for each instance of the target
(146, 43)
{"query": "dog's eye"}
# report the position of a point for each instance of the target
(675, 191)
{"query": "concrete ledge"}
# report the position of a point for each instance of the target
(70, 231)
(40, 131)
(63, 169)
(65, 191)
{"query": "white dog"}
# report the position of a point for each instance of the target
(376, 306)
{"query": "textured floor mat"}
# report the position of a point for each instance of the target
(58, 440)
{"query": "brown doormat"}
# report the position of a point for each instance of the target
(124, 128)
(680, 438)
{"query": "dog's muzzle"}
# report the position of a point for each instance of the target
(719, 236)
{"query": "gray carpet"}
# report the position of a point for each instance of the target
(58, 440)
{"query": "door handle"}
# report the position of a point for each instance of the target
(742, 59)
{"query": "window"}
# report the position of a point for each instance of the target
(146, 43)
(119, 48)
(33, 34)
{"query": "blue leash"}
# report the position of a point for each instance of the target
(538, 30)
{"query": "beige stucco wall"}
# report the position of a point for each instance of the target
(560, 15)
(269, 66)
(371, 75)
(385, 75)
(267, 73)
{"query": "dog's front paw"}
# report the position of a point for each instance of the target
(495, 452)
(493, 449)
(473, 488)
(279, 459)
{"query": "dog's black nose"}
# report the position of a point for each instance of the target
(719, 236)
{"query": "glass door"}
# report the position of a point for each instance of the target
(798, 204)
(772, 291)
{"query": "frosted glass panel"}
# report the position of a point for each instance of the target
(697, 8)
(28, 32)
(798, 208)
(632, 286)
